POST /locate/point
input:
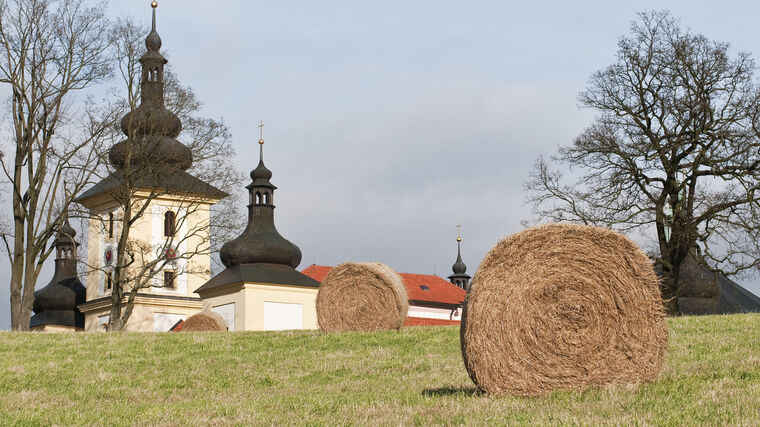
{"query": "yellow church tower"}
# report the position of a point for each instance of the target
(169, 212)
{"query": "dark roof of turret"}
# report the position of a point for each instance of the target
(277, 274)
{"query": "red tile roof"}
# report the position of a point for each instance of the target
(424, 321)
(438, 289)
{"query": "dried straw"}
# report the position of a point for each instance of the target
(560, 307)
(361, 297)
(204, 321)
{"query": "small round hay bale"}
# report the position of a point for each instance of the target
(205, 321)
(560, 307)
(365, 297)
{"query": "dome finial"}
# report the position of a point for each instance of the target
(261, 141)
(153, 41)
(459, 236)
(154, 5)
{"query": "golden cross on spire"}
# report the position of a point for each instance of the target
(459, 236)
(261, 133)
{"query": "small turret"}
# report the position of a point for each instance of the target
(460, 277)
(55, 305)
(260, 242)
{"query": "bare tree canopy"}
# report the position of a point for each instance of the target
(49, 51)
(673, 151)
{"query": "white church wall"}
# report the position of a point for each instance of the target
(434, 313)
(279, 316)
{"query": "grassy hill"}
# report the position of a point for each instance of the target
(712, 375)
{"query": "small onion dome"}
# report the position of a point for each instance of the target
(153, 41)
(459, 267)
(66, 231)
(261, 176)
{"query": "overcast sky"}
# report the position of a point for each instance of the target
(387, 122)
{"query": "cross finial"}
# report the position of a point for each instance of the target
(459, 236)
(261, 133)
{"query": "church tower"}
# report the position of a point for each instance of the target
(460, 277)
(55, 305)
(260, 289)
(150, 169)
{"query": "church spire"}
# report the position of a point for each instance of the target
(460, 277)
(151, 129)
(260, 242)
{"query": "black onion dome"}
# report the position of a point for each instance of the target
(459, 267)
(260, 242)
(261, 172)
(255, 246)
(153, 41)
(151, 150)
(67, 231)
(261, 176)
(63, 295)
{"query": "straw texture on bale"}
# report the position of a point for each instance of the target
(205, 321)
(363, 297)
(561, 307)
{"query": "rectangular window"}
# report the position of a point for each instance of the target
(169, 279)
(109, 281)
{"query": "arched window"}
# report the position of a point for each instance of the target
(110, 224)
(258, 198)
(268, 198)
(169, 223)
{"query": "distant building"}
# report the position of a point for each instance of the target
(706, 292)
(432, 300)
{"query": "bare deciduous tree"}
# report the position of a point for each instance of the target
(673, 151)
(49, 52)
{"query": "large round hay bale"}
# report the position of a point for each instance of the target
(205, 321)
(366, 296)
(560, 307)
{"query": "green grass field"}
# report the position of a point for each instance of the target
(712, 376)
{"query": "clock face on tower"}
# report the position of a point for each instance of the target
(108, 255)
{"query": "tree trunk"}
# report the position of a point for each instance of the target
(669, 288)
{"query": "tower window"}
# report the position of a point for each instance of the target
(169, 279)
(169, 225)
(258, 198)
(110, 224)
(109, 281)
(268, 198)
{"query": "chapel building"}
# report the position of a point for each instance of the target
(260, 288)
